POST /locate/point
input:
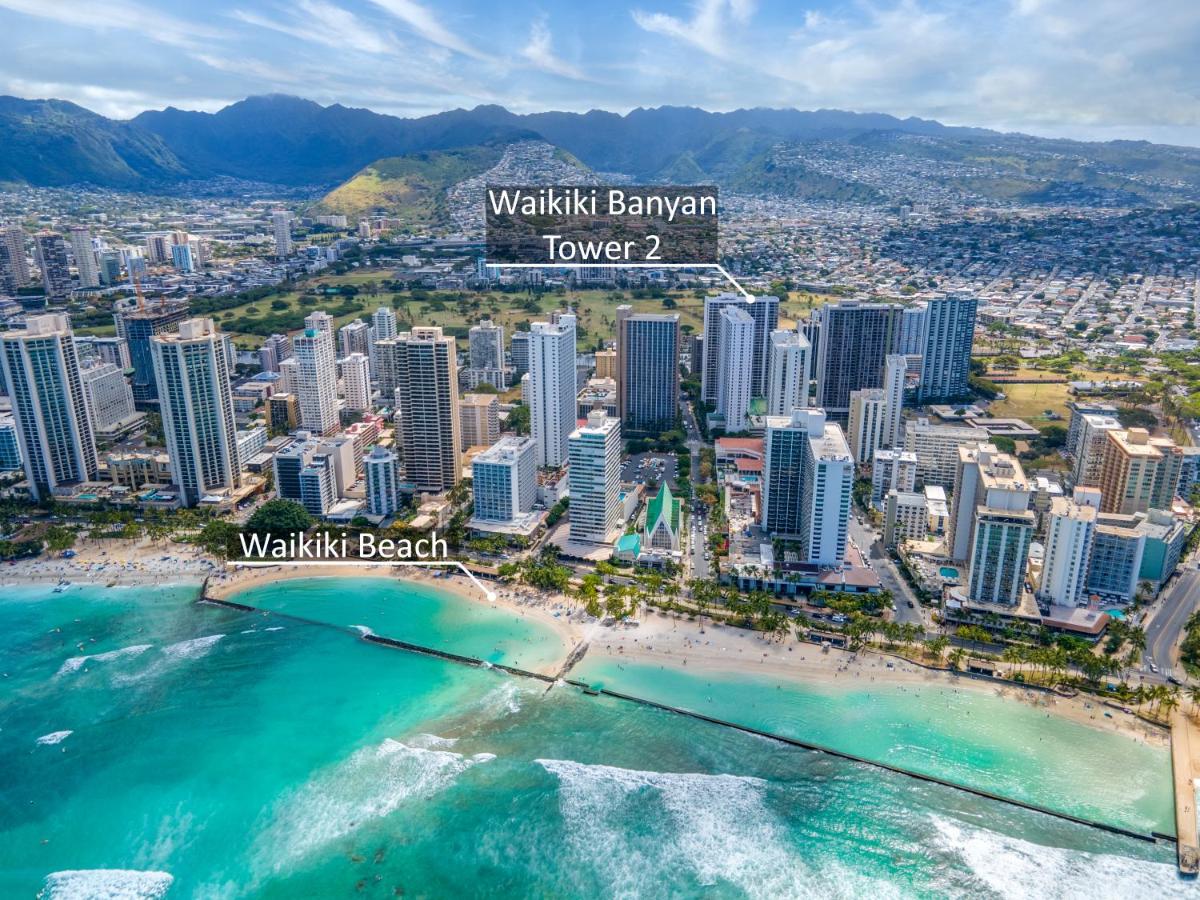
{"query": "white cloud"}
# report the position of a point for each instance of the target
(705, 30)
(319, 22)
(117, 15)
(425, 23)
(540, 53)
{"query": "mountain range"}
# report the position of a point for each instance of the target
(821, 154)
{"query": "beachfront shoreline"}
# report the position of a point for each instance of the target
(655, 638)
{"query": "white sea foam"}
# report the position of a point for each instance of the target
(363, 630)
(1013, 868)
(106, 884)
(371, 784)
(54, 737)
(714, 828)
(75, 663)
(192, 649)
(274, 628)
(431, 742)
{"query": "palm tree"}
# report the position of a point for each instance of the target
(956, 658)
(1194, 696)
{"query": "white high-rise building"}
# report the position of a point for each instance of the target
(356, 381)
(868, 418)
(594, 478)
(936, 447)
(383, 320)
(552, 388)
(85, 257)
(894, 368)
(316, 381)
(504, 480)
(320, 321)
(197, 409)
(109, 398)
(788, 366)
(1069, 536)
(41, 369)
(288, 378)
(765, 313)
(892, 470)
(1092, 440)
(281, 224)
(355, 337)
(807, 484)
(382, 469)
(735, 367)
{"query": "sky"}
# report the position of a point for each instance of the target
(1087, 69)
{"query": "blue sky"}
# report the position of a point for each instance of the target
(1093, 69)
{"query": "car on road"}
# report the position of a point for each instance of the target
(909, 603)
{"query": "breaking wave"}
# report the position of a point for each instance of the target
(371, 784)
(1009, 867)
(75, 663)
(54, 737)
(105, 884)
(708, 830)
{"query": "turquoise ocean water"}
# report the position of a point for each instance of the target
(153, 747)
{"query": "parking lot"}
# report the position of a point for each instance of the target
(649, 467)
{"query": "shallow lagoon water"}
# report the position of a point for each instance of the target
(200, 751)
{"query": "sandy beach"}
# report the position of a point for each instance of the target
(570, 624)
(652, 638)
(662, 640)
(116, 563)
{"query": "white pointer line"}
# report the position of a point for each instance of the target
(625, 265)
(266, 564)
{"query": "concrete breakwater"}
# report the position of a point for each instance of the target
(590, 690)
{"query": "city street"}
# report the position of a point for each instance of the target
(1165, 628)
(891, 579)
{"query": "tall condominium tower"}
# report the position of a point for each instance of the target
(427, 389)
(320, 321)
(856, 339)
(197, 409)
(519, 348)
(991, 525)
(138, 326)
(765, 313)
(51, 253)
(949, 336)
(787, 372)
(914, 326)
(735, 376)
(316, 381)
(356, 381)
(41, 369)
(85, 257)
(486, 345)
(1069, 536)
(355, 337)
(382, 469)
(552, 388)
(383, 320)
(808, 476)
(647, 371)
(281, 224)
(1138, 472)
(868, 418)
(14, 266)
(504, 480)
(594, 478)
(894, 368)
